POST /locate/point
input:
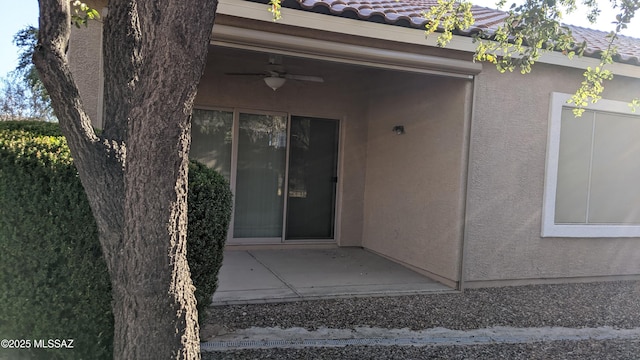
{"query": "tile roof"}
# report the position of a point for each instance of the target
(628, 47)
(408, 13)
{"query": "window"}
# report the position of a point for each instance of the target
(282, 169)
(592, 184)
(211, 139)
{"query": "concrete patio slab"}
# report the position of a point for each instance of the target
(258, 276)
(243, 278)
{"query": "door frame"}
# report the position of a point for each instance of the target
(234, 167)
(336, 187)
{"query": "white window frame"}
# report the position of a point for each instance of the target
(549, 227)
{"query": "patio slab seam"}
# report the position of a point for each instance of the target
(289, 299)
(276, 274)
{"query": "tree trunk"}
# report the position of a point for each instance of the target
(135, 173)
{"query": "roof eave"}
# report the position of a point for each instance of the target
(322, 22)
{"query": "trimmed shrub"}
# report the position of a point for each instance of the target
(53, 280)
(210, 204)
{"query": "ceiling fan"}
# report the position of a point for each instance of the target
(275, 74)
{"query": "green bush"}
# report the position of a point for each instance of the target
(210, 206)
(53, 280)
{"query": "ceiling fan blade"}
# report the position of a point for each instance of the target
(304, 78)
(247, 74)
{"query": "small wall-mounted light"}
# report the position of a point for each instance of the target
(398, 129)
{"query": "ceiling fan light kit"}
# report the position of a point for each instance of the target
(275, 75)
(274, 82)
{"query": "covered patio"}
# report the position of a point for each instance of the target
(260, 276)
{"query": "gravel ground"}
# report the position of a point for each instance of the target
(613, 304)
(569, 350)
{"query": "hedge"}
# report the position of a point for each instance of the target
(210, 205)
(53, 280)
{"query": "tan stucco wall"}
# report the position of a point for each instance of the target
(341, 96)
(85, 53)
(414, 181)
(402, 196)
(506, 182)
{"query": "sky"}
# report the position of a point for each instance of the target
(17, 14)
(579, 18)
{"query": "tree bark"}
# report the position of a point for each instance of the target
(135, 172)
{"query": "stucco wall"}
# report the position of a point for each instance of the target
(506, 182)
(414, 181)
(85, 53)
(402, 195)
(341, 97)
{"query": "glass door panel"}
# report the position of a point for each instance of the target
(313, 160)
(260, 176)
(211, 139)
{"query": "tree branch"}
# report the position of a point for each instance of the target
(51, 61)
(121, 41)
(593, 84)
(100, 162)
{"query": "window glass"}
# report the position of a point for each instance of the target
(259, 199)
(211, 139)
(574, 167)
(614, 196)
(593, 171)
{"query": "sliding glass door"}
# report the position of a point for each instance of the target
(211, 138)
(260, 176)
(313, 160)
(283, 171)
